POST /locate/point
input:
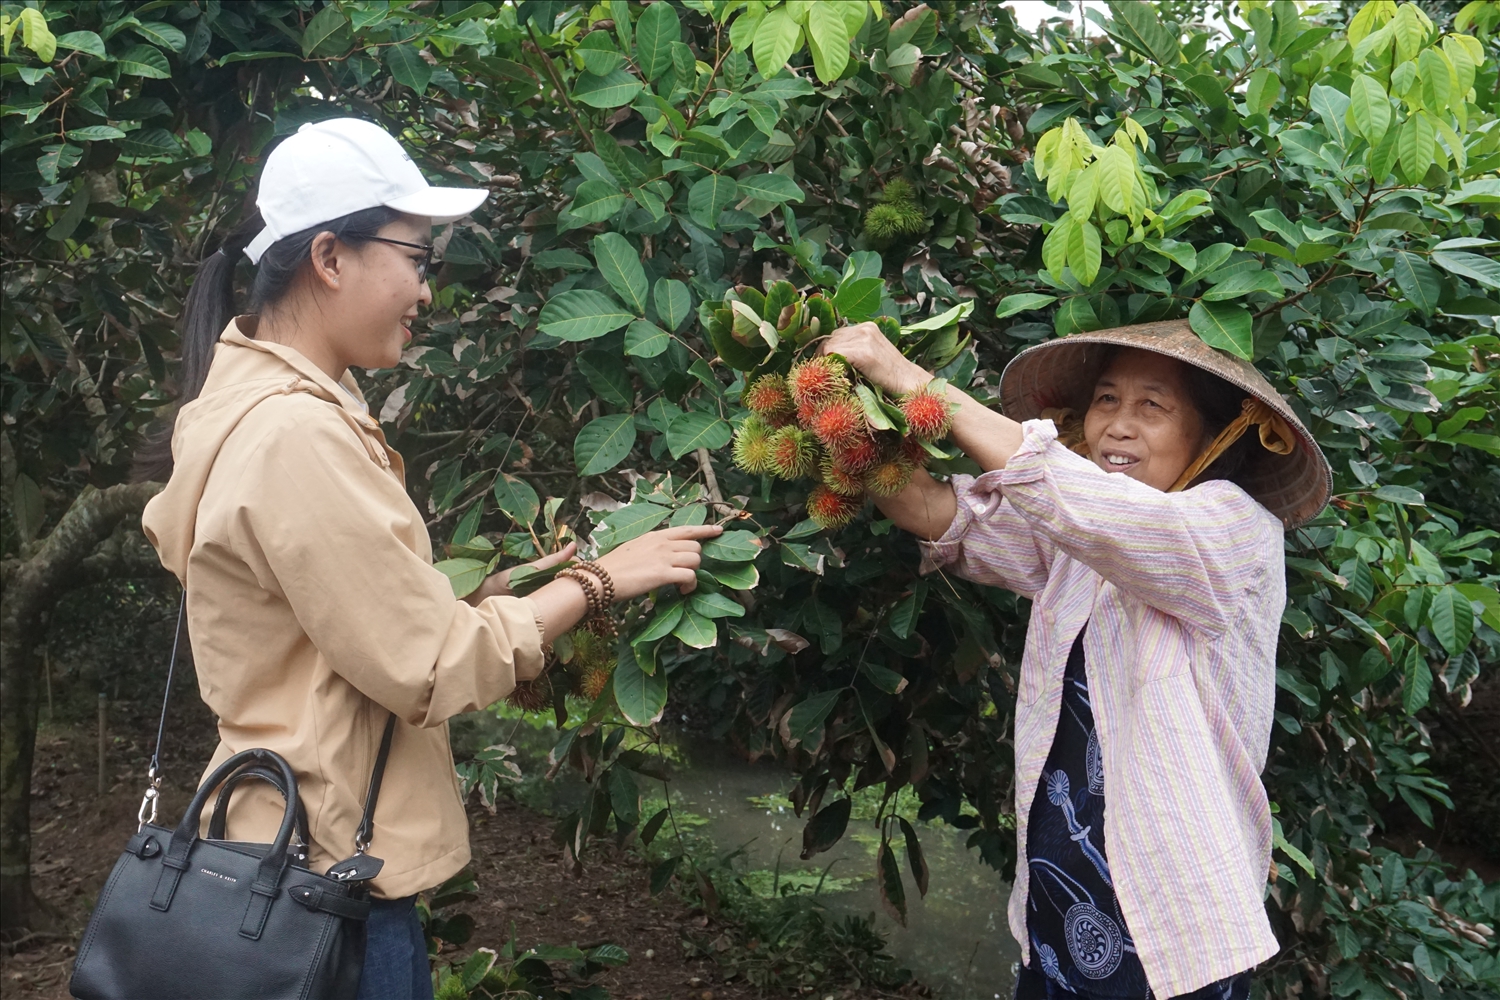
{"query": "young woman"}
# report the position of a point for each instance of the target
(313, 607)
(1152, 552)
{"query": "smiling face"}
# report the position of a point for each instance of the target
(379, 294)
(1142, 421)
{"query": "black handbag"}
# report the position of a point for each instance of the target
(190, 917)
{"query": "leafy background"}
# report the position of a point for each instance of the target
(1313, 186)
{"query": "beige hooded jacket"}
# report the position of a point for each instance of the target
(314, 610)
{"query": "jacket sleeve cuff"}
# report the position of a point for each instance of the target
(1029, 463)
(977, 498)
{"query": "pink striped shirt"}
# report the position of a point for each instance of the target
(1183, 593)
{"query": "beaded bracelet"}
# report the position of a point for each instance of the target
(604, 579)
(590, 589)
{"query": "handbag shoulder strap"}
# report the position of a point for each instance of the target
(366, 830)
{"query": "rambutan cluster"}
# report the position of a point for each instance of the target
(810, 424)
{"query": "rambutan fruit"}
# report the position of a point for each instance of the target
(533, 695)
(911, 449)
(817, 379)
(769, 396)
(752, 446)
(794, 453)
(839, 421)
(929, 415)
(889, 477)
(830, 510)
(858, 454)
(591, 685)
(840, 479)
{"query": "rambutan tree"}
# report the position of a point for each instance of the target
(687, 195)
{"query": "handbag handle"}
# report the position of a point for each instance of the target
(217, 822)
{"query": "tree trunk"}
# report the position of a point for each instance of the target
(84, 548)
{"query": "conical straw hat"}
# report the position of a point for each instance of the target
(1062, 372)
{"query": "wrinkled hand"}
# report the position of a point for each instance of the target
(498, 584)
(666, 556)
(876, 358)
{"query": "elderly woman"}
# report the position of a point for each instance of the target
(1148, 535)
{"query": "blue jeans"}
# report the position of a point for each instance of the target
(396, 966)
(1032, 985)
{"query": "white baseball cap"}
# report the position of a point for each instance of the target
(329, 169)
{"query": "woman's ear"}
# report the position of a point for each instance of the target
(328, 260)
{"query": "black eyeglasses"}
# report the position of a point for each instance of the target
(423, 262)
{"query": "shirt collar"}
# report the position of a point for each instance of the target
(345, 391)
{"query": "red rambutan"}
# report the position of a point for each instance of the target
(859, 454)
(839, 421)
(794, 453)
(769, 397)
(840, 479)
(829, 509)
(817, 379)
(889, 477)
(928, 414)
(752, 446)
(911, 449)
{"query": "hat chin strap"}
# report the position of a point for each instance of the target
(1275, 436)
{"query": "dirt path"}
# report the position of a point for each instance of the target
(522, 881)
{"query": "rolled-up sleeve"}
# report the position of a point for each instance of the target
(1186, 554)
(329, 530)
(988, 541)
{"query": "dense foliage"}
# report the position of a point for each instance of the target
(1313, 188)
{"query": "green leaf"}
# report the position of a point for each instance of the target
(716, 606)
(150, 142)
(517, 499)
(620, 264)
(607, 377)
(94, 132)
(733, 546)
(655, 31)
(1310, 253)
(408, 67)
(696, 631)
(612, 90)
(697, 430)
(1225, 326)
(641, 697)
(709, 196)
(1021, 302)
(1415, 146)
(825, 828)
(464, 575)
(1243, 283)
(645, 340)
(663, 622)
(1485, 270)
(773, 188)
(603, 443)
(806, 720)
(739, 576)
(915, 859)
(37, 35)
(888, 877)
(596, 201)
(1084, 253)
(1370, 107)
(1416, 684)
(857, 299)
(1451, 618)
(87, 42)
(1400, 494)
(1279, 841)
(673, 301)
(324, 25)
(145, 61)
(828, 37)
(777, 36)
(1262, 91)
(1421, 285)
(631, 521)
(581, 314)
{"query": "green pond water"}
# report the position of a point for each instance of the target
(956, 939)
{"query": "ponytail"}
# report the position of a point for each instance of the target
(210, 307)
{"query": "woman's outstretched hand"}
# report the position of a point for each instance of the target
(876, 358)
(667, 556)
